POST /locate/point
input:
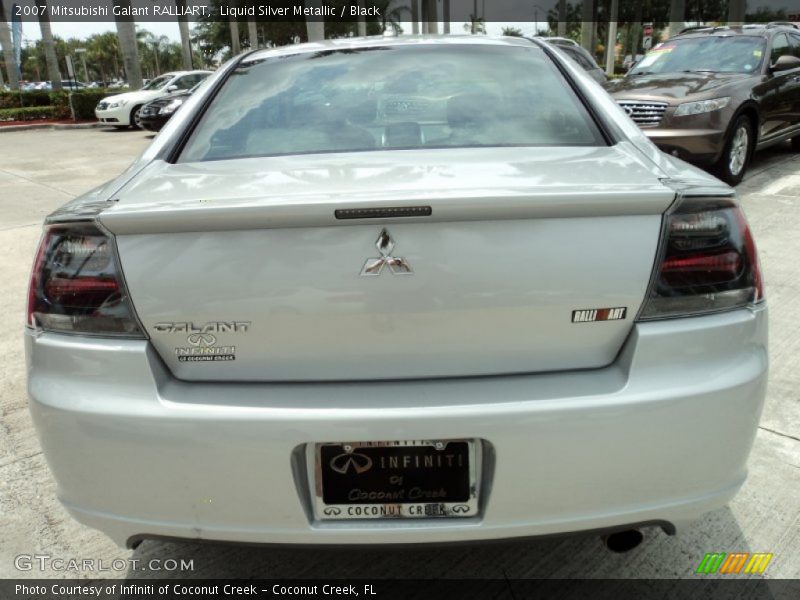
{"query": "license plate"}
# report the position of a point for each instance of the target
(403, 479)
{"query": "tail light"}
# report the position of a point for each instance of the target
(77, 286)
(707, 262)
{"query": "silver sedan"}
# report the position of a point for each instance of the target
(402, 290)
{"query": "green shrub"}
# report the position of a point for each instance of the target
(10, 100)
(13, 100)
(84, 102)
(23, 99)
(60, 102)
(36, 98)
(28, 113)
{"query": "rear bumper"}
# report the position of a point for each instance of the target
(661, 435)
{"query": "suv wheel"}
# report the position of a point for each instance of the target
(733, 162)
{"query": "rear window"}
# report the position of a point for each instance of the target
(396, 97)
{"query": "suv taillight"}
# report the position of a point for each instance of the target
(76, 285)
(707, 262)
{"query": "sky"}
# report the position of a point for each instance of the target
(30, 31)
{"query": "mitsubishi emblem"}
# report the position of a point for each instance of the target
(397, 264)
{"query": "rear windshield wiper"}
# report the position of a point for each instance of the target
(699, 71)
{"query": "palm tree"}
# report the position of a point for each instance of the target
(186, 40)
(392, 15)
(126, 31)
(103, 52)
(53, 74)
(8, 50)
(156, 44)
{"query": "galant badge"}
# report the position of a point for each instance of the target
(397, 264)
(351, 461)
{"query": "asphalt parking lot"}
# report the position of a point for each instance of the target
(40, 170)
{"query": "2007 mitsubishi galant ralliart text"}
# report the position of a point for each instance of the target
(397, 290)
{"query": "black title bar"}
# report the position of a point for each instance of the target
(391, 589)
(455, 11)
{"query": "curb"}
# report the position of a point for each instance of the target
(52, 126)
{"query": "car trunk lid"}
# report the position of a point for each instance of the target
(242, 271)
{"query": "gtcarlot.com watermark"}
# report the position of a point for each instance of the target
(48, 562)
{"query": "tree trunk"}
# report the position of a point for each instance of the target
(430, 16)
(236, 46)
(186, 41)
(736, 11)
(8, 50)
(315, 26)
(414, 16)
(677, 16)
(252, 33)
(562, 18)
(126, 31)
(362, 21)
(474, 28)
(587, 25)
(636, 30)
(611, 45)
(53, 74)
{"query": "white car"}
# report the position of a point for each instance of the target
(122, 110)
(376, 291)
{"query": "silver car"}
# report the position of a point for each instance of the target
(401, 290)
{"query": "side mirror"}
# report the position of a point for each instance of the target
(785, 63)
(172, 88)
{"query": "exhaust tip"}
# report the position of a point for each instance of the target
(623, 541)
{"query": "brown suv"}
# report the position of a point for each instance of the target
(714, 95)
